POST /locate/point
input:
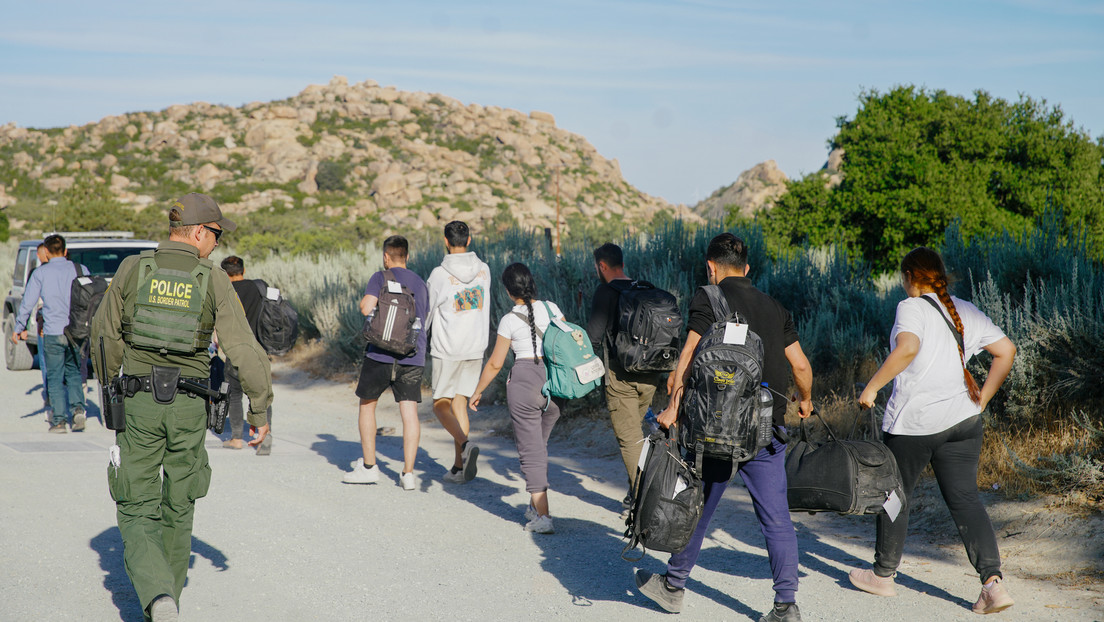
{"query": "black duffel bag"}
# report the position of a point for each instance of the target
(667, 500)
(847, 476)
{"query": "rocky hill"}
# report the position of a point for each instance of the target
(359, 152)
(759, 187)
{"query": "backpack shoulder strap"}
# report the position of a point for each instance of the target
(954, 331)
(525, 318)
(717, 302)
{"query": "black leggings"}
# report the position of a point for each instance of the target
(953, 455)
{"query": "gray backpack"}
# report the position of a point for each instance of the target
(718, 416)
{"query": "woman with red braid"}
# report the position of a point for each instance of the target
(934, 417)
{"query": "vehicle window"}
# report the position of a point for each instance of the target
(20, 266)
(102, 261)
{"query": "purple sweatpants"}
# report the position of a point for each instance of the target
(765, 478)
(532, 422)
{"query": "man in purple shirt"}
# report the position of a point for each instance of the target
(381, 369)
(52, 282)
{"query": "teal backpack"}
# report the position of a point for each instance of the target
(573, 368)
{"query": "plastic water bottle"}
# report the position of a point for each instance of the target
(417, 328)
(650, 422)
(766, 416)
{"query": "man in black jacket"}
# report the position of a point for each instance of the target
(250, 296)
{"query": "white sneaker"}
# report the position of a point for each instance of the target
(407, 481)
(531, 513)
(540, 524)
(454, 478)
(362, 475)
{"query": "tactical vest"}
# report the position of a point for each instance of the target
(168, 309)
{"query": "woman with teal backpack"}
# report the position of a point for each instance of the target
(532, 413)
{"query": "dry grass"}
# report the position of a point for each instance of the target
(1023, 463)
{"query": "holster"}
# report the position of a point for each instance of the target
(163, 383)
(217, 409)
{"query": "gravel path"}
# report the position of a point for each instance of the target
(281, 538)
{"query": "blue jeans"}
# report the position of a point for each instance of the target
(42, 367)
(62, 376)
(765, 478)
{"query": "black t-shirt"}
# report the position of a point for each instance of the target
(250, 296)
(603, 315)
(764, 315)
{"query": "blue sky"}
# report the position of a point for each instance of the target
(685, 95)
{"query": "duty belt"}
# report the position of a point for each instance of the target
(130, 385)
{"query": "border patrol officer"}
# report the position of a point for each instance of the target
(156, 322)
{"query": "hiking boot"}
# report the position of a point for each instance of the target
(782, 612)
(867, 581)
(993, 598)
(407, 481)
(455, 477)
(468, 455)
(540, 524)
(163, 609)
(655, 587)
(361, 474)
(265, 446)
(58, 428)
(234, 443)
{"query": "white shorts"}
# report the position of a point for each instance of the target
(452, 378)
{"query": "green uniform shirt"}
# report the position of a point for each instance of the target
(235, 337)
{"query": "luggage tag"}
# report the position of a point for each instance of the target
(644, 455)
(83, 280)
(393, 287)
(590, 371)
(735, 334)
(272, 294)
(892, 505)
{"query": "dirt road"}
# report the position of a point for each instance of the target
(281, 538)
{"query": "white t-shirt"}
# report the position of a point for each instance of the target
(930, 395)
(517, 330)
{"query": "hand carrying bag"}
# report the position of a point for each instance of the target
(847, 476)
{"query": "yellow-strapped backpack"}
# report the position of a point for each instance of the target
(168, 309)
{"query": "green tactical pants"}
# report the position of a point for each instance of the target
(628, 397)
(155, 511)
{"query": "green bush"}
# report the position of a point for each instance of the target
(331, 176)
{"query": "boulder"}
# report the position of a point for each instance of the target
(543, 117)
(57, 184)
(107, 161)
(388, 183)
(208, 175)
(118, 182)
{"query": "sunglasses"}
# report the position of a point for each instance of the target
(217, 232)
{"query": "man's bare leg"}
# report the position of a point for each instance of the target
(412, 433)
(453, 415)
(367, 424)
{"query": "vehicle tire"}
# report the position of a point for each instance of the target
(16, 355)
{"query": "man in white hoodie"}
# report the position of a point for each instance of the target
(459, 325)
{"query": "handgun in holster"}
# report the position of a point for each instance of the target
(112, 410)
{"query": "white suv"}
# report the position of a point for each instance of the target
(100, 251)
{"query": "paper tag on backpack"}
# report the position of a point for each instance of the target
(892, 506)
(393, 287)
(272, 294)
(83, 280)
(735, 334)
(644, 454)
(590, 371)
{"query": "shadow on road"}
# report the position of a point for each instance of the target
(108, 544)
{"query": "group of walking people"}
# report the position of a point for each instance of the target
(932, 417)
(158, 346)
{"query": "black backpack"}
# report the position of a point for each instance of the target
(718, 416)
(847, 476)
(85, 295)
(391, 326)
(667, 499)
(648, 328)
(278, 324)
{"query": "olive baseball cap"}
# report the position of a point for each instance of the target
(198, 209)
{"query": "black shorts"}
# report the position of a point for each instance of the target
(405, 381)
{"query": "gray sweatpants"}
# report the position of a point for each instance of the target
(532, 424)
